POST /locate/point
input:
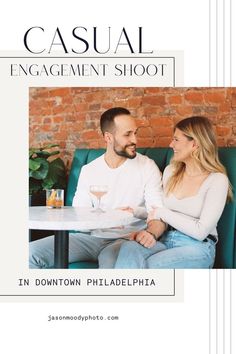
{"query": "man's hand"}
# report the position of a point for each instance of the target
(130, 210)
(144, 238)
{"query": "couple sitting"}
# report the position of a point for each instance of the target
(177, 214)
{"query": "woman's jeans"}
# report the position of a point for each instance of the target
(180, 251)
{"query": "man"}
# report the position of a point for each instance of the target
(133, 181)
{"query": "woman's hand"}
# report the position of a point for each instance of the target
(144, 238)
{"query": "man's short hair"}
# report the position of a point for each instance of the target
(107, 118)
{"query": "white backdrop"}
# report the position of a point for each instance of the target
(164, 328)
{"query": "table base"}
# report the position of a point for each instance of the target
(61, 249)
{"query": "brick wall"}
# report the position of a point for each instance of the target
(70, 116)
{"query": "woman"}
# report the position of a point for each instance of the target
(195, 191)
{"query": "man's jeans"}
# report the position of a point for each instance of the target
(180, 251)
(82, 247)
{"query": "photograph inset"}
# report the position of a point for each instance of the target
(132, 178)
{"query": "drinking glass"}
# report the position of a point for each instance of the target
(55, 198)
(98, 191)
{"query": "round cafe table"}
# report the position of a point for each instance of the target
(61, 221)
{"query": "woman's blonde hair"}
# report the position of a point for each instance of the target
(201, 131)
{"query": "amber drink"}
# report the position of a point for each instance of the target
(54, 198)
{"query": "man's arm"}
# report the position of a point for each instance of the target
(153, 191)
(82, 197)
(153, 196)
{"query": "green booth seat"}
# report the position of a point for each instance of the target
(83, 265)
(226, 247)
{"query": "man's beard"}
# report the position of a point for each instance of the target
(122, 151)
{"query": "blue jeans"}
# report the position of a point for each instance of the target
(180, 251)
(82, 247)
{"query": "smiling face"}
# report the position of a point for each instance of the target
(123, 140)
(182, 146)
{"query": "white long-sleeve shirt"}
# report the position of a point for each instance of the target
(136, 184)
(196, 216)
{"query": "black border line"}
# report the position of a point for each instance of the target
(112, 295)
(98, 57)
(174, 80)
(83, 57)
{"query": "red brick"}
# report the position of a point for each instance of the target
(40, 93)
(34, 108)
(163, 131)
(144, 132)
(233, 100)
(81, 116)
(36, 120)
(46, 127)
(47, 121)
(161, 121)
(101, 144)
(173, 90)
(224, 107)
(162, 142)
(58, 119)
(59, 92)
(94, 144)
(67, 100)
(58, 110)
(184, 111)
(35, 128)
(95, 116)
(81, 107)
(223, 131)
(91, 134)
(221, 142)
(232, 142)
(75, 126)
(214, 97)
(46, 111)
(62, 135)
(121, 93)
(68, 109)
(175, 99)
(78, 90)
(194, 97)
(94, 107)
(141, 122)
(62, 145)
(153, 90)
(70, 116)
(134, 102)
(120, 103)
(146, 142)
(150, 110)
(64, 127)
(95, 97)
(154, 100)
(106, 105)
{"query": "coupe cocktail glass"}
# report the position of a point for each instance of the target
(98, 191)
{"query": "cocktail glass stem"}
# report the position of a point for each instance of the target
(98, 209)
(99, 205)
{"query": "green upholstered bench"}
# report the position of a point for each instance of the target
(226, 247)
